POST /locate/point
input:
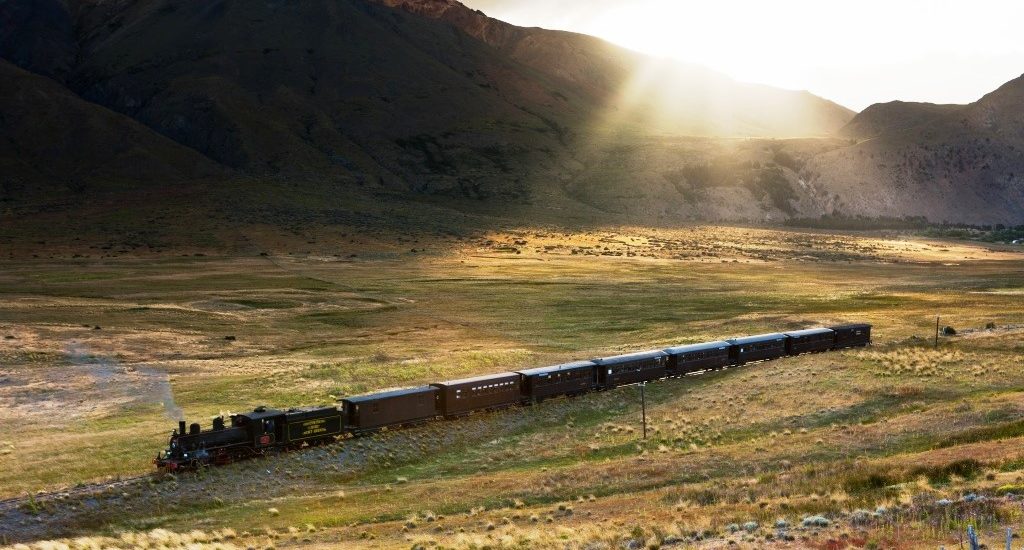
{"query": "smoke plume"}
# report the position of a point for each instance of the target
(139, 383)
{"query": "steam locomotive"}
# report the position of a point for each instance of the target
(264, 429)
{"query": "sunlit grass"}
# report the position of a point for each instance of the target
(785, 439)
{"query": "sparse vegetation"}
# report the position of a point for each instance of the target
(871, 441)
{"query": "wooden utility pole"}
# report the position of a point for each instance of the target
(643, 407)
(936, 331)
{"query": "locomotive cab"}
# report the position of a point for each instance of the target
(264, 426)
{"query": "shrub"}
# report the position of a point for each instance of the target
(815, 521)
(1010, 489)
(967, 468)
(772, 183)
(867, 483)
(704, 497)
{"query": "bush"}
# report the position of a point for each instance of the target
(1010, 489)
(867, 483)
(704, 497)
(967, 468)
(772, 183)
(815, 521)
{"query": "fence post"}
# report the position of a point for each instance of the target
(972, 537)
(1009, 539)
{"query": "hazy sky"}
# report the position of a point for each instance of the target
(853, 52)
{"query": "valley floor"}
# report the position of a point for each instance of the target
(902, 444)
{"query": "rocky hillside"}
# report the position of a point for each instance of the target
(947, 163)
(660, 95)
(360, 91)
(286, 113)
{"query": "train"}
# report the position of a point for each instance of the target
(264, 430)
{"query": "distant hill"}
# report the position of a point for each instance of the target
(288, 113)
(947, 163)
(882, 118)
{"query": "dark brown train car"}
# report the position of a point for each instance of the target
(491, 391)
(757, 348)
(631, 368)
(810, 340)
(565, 379)
(391, 408)
(848, 336)
(697, 357)
(313, 424)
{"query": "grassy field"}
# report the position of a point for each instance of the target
(872, 441)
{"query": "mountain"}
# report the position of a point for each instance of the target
(371, 93)
(288, 113)
(947, 163)
(659, 94)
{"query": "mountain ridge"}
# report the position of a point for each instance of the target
(350, 103)
(964, 163)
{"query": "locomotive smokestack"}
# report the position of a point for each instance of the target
(181, 427)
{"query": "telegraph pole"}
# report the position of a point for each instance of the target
(643, 407)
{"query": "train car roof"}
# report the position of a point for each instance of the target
(635, 356)
(554, 368)
(757, 338)
(388, 394)
(809, 331)
(309, 408)
(481, 378)
(850, 326)
(687, 348)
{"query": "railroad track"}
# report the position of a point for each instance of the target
(9, 504)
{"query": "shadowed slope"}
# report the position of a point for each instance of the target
(53, 141)
(654, 94)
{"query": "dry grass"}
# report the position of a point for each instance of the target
(783, 440)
